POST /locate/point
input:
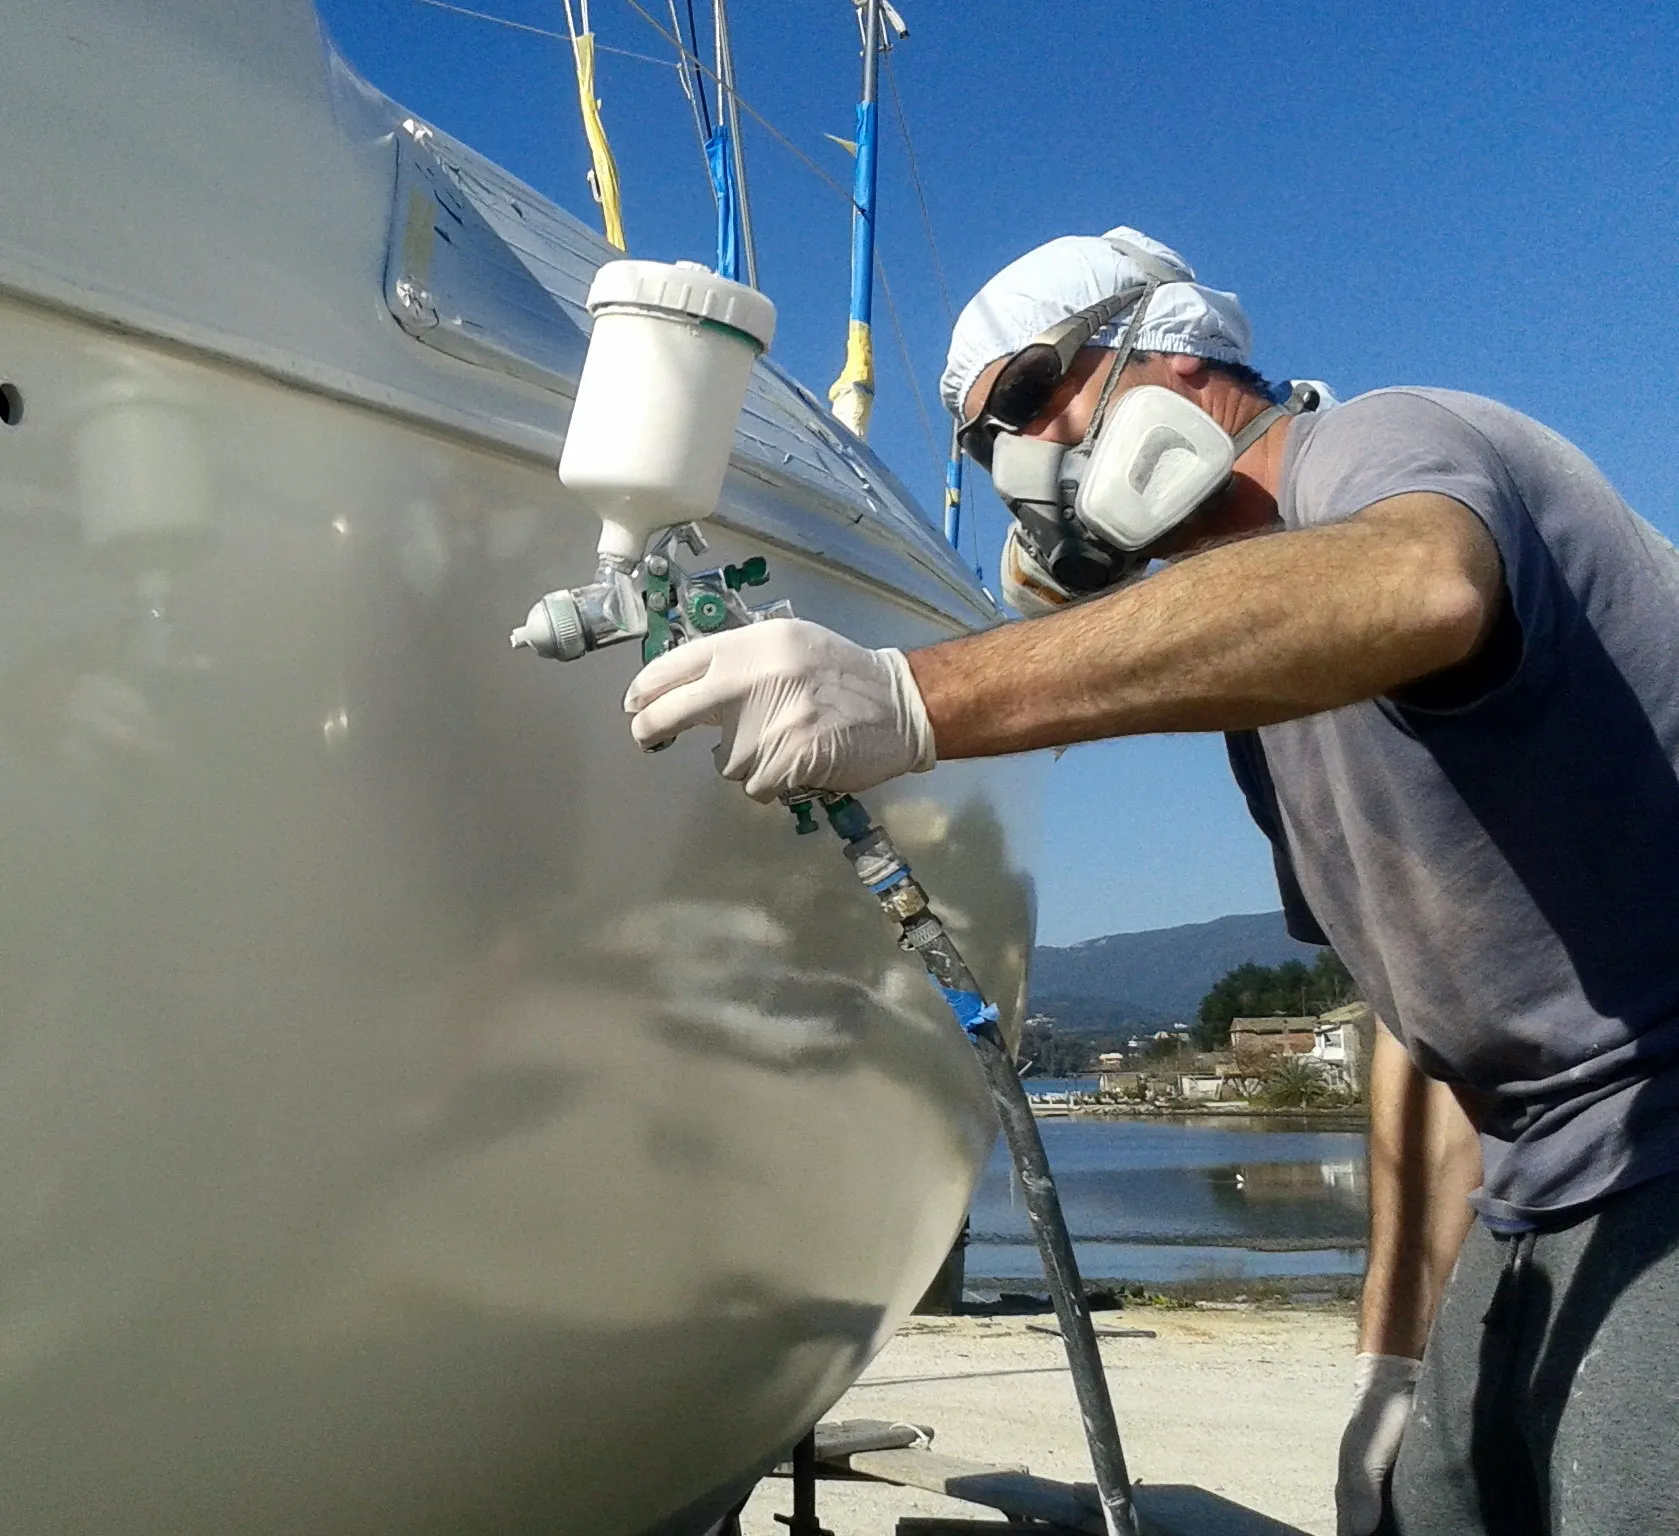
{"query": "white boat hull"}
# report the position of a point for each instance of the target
(420, 1112)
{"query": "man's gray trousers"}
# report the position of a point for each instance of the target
(1549, 1397)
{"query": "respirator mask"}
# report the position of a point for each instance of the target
(1087, 512)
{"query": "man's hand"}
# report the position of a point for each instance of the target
(1382, 1388)
(800, 708)
(1425, 1158)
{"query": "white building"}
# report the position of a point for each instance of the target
(1342, 1040)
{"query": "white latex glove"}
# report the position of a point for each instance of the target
(1027, 587)
(1382, 1388)
(800, 707)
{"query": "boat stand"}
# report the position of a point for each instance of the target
(880, 1450)
(803, 1521)
(901, 1454)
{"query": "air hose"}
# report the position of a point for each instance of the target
(658, 399)
(660, 604)
(886, 873)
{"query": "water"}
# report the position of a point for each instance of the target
(1164, 1200)
(1035, 1086)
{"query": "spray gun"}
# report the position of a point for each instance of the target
(658, 399)
(655, 601)
(661, 390)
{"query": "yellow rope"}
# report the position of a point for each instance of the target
(605, 176)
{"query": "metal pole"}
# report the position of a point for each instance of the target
(853, 392)
(871, 51)
(803, 1521)
(726, 86)
(953, 491)
(867, 182)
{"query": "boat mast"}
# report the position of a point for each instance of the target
(852, 393)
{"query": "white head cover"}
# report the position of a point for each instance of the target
(1056, 280)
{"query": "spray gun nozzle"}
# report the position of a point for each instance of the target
(554, 628)
(575, 620)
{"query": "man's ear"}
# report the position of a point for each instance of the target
(1185, 367)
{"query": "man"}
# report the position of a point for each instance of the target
(1444, 650)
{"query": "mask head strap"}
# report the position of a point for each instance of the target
(1122, 355)
(1302, 398)
(1158, 273)
(1152, 267)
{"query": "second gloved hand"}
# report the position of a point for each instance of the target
(1027, 587)
(1382, 1389)
(799, 707)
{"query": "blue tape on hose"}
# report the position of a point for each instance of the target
(897, 877)
(972, 1011)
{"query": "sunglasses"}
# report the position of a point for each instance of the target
(1022, 392)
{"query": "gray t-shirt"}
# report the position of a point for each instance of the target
(1502, 875)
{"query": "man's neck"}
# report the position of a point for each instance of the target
(1263, 462)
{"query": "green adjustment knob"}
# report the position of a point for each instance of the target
(707, 612)
(805, 816)
(749, 573)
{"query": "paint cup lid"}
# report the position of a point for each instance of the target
(686, 289)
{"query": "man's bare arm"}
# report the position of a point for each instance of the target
(1425, 1158)
(1243, 635)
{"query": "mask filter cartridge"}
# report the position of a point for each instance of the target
(1157, 458)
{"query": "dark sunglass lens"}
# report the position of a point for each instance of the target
(1025, 386)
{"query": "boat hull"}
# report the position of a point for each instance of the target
(421, 1110)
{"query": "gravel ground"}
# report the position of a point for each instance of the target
(1246, 1402)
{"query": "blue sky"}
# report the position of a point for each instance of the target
(1478, 196)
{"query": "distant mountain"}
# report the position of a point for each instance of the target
(1151, 977)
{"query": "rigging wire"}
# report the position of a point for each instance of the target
(909, 367)
(603, 170)
(852, 393)
(687, 58)
(920, 192)
(698, 64)
(693, 89)
(559, 37)
(692, 59)
(953, 497)
(728, 113)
